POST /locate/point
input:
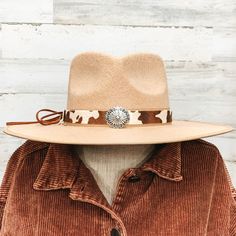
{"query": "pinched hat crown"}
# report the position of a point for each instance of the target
(99, 82)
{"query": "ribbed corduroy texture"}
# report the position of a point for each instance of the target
(184, 190)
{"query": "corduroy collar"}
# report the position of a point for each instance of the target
(166, 161)
(62, 164)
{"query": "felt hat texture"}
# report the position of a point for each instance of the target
(99, 82)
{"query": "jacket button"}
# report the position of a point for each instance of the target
(115, 232)
(134, 178)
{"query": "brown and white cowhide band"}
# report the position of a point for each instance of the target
(116, 117)
(135, 116)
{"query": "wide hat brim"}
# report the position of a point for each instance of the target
(105, 135)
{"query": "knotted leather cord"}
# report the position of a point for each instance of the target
(42, 120)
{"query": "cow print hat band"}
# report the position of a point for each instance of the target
(116, 117)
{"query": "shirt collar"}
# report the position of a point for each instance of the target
(59, 168)
(165, 161)
(62, 164)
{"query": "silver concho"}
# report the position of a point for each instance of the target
(117, 117)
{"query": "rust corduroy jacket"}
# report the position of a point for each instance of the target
(183, 190)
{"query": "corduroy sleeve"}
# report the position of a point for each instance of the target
(8, 178)
(232, 229)
(222, 215)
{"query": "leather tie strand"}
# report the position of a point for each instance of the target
(42, 120)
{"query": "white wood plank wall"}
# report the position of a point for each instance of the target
(197, 40)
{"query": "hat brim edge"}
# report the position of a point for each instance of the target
(104, 135)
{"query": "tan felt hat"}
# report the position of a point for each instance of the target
(114, 100)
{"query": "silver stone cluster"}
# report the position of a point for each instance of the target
(117, 117)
